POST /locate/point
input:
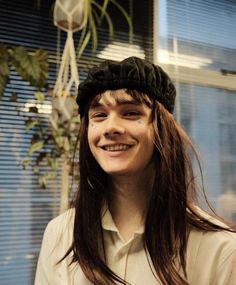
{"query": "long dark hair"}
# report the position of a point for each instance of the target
(171, 212)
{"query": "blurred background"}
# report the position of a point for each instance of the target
(194, 41)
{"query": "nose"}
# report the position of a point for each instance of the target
(114, 126)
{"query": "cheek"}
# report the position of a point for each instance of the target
(150, 137)
(90, 135)
(139, 123)
(93, 134)
(92, 126)
(145, 129)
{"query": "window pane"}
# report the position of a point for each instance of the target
(209, 116)
(198, 34)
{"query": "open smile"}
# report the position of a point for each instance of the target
(116, 147)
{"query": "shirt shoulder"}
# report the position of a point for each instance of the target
(57, 239)
(211, 255)
(60, 228)
(62, 222)
(213, 242)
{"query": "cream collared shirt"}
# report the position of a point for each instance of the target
(211, 256)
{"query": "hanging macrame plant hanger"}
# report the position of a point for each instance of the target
(69, 17)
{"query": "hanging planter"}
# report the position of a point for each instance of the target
(56, 143)
(69, 15)
(72, 16)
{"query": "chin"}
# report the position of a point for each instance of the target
(115, 172)
(120, 172)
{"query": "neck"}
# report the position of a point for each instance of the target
(128, 201)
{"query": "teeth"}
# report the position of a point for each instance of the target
(117, 147)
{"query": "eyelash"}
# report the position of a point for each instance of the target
(98, 115)
(125, 114)
(132, 113)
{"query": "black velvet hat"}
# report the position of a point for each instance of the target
(131, 73)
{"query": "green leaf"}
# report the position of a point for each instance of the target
(22, 63)
(4, 68)
(103, 10)
(108, 18)
(59, 141)
(82, 36)
(4, 58)
(39, 96)
(75, 120)
(74, 123)
(53, 163)
(3, 49)
(35, 147)
(93, 29)
(41, 57)
(26, 162)
(87, 4)
(127, 17)
(32, 68)
(66, 144)
(3, 83)
(31, 124)
(59, 132)
(85, 43)
(96, 17)
(36, 169)
(43, 179)
(90, 32)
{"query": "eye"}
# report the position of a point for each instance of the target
(97, 116)
(132, 114)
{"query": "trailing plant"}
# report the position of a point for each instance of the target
(95, 13)
(33, 68)
(52, 143)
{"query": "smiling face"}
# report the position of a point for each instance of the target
(120, 133)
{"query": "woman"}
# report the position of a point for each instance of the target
(135, 220)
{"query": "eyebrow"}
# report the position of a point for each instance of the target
(119, 102)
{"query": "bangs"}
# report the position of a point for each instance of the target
(138, 96)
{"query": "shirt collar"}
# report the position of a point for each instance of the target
(109, 225)
(107, 220)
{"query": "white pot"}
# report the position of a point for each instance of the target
(69, 15)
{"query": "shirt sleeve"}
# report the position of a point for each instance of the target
(46, 262)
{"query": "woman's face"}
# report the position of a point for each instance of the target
(120, 133)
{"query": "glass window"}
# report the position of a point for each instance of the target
(196, 40)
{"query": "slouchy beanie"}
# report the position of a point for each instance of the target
(132, 73)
